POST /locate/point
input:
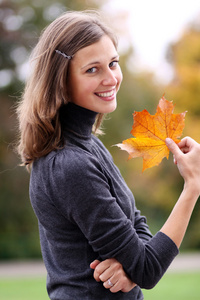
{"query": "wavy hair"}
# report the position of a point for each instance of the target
(46, 89)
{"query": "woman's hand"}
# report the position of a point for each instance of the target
(112, 274)
(187, 160)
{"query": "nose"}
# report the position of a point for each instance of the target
(109, 78)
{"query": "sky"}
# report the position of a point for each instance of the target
(153, 24)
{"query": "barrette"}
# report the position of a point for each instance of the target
(63, 54)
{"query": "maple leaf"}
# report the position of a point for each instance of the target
(150, 132)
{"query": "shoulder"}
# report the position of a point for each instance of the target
(72, 161)
(65, 172)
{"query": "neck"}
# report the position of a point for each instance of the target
(77, 119)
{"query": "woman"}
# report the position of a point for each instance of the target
(86, 212)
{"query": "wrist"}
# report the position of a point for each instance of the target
(192, 189)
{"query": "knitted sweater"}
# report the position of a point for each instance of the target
(86, 211)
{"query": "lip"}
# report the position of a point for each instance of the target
(107, 95)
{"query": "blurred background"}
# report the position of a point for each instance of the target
(159, 46)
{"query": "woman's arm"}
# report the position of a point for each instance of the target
(188, 163)
(187, 158)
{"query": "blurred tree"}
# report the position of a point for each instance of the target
(185, 58)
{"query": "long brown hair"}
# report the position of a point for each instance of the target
(46, 88)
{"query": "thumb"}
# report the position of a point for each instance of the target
(172, 146)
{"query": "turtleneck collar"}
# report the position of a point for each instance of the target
(77, 119)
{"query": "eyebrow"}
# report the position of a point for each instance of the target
(97, 62)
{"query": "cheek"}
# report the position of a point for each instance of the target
(119, 78)
(79, 87)
(89, 86)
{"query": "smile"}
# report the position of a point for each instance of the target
(106, 94)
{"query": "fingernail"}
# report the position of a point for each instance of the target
(168, 141)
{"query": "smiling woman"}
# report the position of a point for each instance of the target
(85, 210)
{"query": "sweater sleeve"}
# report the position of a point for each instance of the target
(83, 195)
(141, 227)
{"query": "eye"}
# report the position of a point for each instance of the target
(114, 64)
(91, 70)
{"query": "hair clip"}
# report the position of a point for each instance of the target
(64, 54)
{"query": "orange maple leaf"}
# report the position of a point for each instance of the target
(150, 132)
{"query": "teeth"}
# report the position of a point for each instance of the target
(108, 94)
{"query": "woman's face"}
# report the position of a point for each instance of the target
(95, 76)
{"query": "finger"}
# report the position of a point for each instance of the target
(173, 147)
(187, 143)
(109, 284)
(104, 265)
(96, 275)
(116, 287)
(120, 285)
(113, 267)
(100, 269)
(106, 274)
(185, 150)
(94, 263)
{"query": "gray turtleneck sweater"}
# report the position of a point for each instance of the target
(86, 211)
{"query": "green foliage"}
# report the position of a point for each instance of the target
(185, 57)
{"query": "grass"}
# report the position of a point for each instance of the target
(173, 286)
(23, 289)
(176, 286)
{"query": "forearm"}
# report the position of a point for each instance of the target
(177, 223)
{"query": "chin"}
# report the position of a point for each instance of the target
(109, 108)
